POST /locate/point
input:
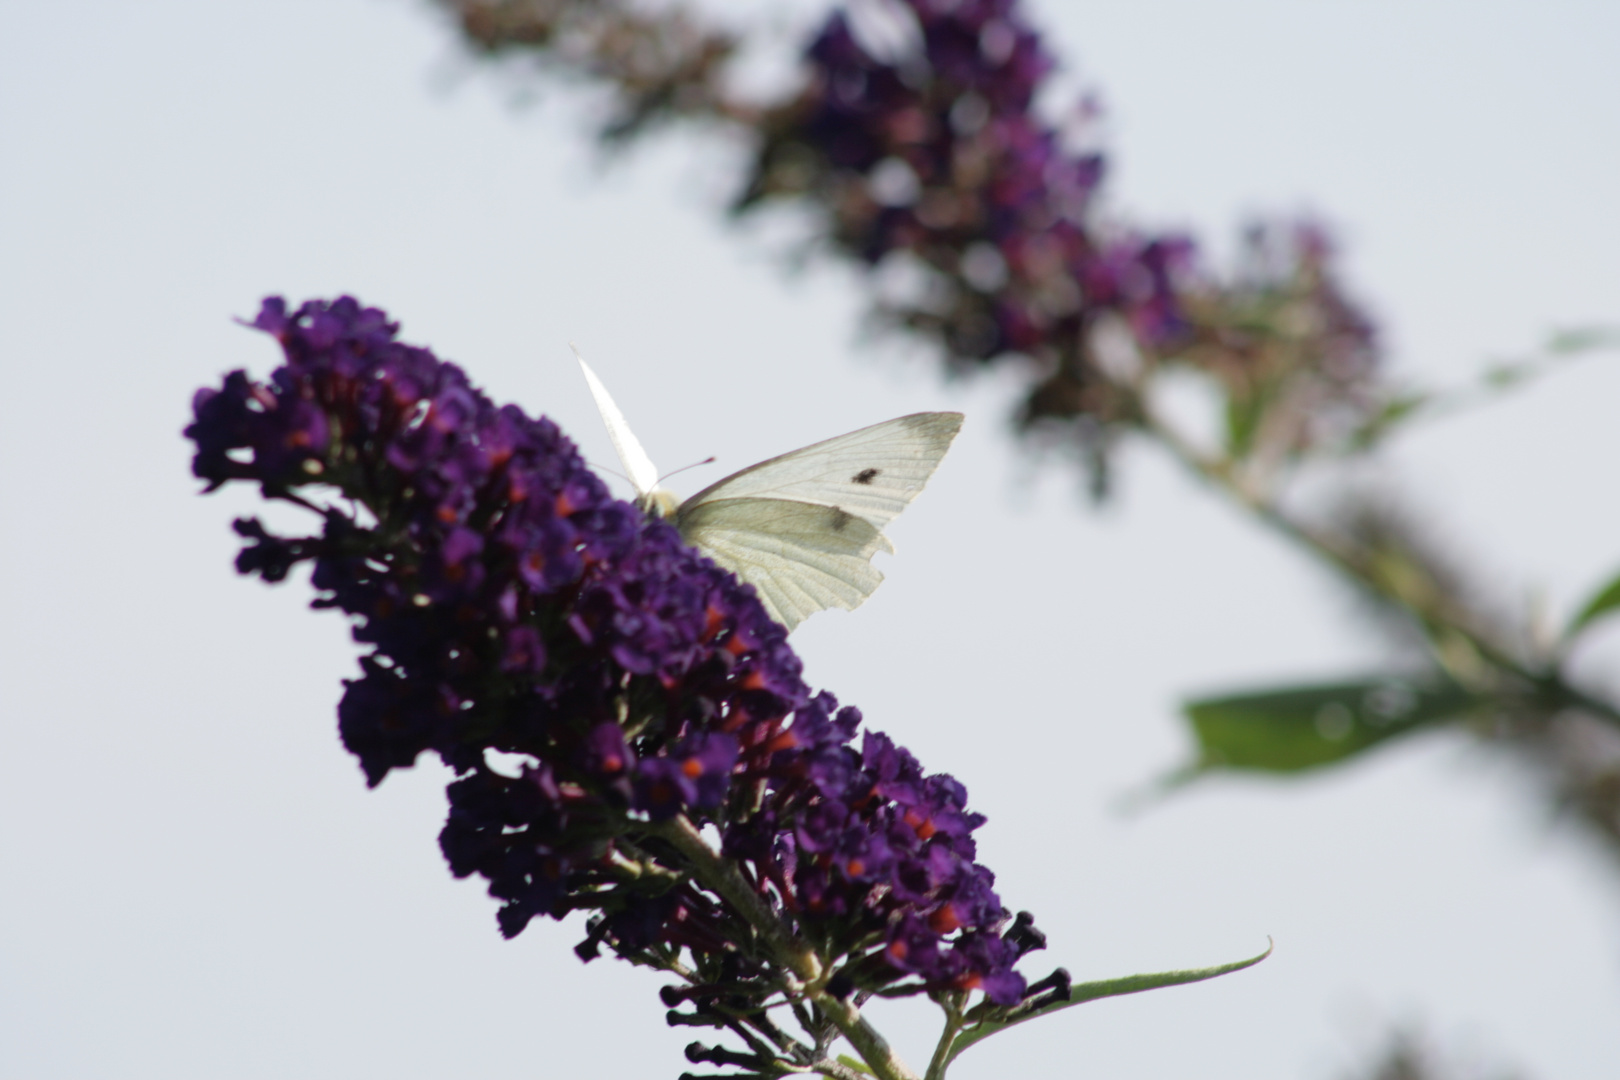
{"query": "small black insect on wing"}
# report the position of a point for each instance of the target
(865, 476)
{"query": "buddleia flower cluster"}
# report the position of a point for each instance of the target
(1298, 361)
(930, 161)
(608, 698)
(934, 150)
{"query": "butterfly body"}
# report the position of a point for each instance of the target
(801, 527)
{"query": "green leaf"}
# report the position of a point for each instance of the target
(1507, 376)
(1094, 991)
(1583, 339)
(855, 1063)
(1395, 411)
(1603, 601)
(1303, 727)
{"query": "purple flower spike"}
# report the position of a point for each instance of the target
(586, 675)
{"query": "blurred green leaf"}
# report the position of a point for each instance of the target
(1398, 408)
(1507, 376)
(1299, 728)
(1583, 339)
(1498, 378)
(1243, 416)
(1603, 601)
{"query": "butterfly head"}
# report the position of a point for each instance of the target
(658, 503)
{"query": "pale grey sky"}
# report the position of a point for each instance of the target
(198, 883)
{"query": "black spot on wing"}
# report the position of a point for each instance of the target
(865, 476)
(839, 518)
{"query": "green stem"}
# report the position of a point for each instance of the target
(837, 1070)
(942, 1051)
(724, 878)
(1546, 686)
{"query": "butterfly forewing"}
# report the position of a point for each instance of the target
(873, 473)
(638, 466)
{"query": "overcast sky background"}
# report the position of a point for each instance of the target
(198, 884)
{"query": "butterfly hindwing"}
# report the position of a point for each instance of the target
(801, 558)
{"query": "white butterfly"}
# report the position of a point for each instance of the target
(801, 528)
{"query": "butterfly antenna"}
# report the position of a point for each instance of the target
(683, 468)
(609, 471)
